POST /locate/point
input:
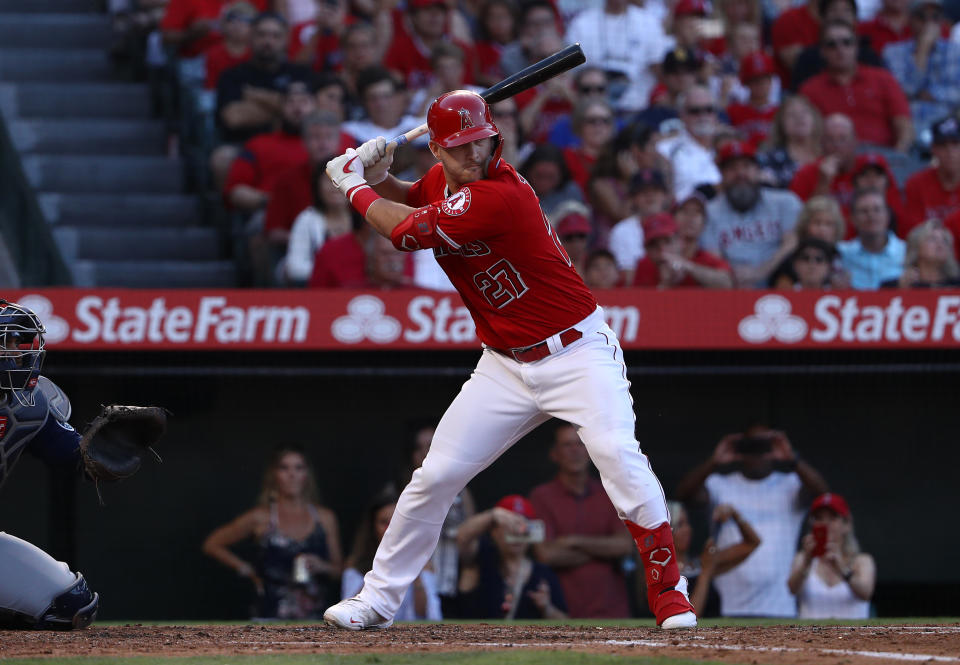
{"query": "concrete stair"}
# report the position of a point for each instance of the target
(95, 155)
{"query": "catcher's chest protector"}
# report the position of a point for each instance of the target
(18, 424)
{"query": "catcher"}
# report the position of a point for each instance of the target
(37, 591)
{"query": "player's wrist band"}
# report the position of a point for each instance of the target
(362, 197)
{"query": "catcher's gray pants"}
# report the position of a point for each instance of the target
(30, 579)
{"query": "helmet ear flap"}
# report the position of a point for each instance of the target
(493, 161)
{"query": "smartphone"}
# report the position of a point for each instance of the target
(754, 445)
(819, 539)
(536, 531)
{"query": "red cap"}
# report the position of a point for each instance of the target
(661, 225)
(833, 502)
(734, 150)
(573, 223)
(754, 65)
(692, 8)
(518, 504)
(869, 159)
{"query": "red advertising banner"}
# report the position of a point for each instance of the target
(120, 319)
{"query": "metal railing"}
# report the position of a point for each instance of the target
(26, 233)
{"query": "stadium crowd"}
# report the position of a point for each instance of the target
(746, 143)
(779, 543)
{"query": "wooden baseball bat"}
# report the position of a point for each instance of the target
(561, 61)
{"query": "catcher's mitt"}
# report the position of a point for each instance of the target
(113, 444)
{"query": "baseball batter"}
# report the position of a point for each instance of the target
(37, 591)
(547, 351)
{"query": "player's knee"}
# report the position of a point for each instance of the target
(437, 483)
(73, 609)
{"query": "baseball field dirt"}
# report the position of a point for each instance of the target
(499, 643)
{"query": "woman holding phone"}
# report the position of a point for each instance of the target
(830, 576)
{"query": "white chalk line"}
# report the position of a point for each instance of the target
(889, 655)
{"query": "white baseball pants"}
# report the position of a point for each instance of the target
(584, 383)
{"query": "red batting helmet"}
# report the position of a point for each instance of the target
(459, 117)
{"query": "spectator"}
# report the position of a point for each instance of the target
(542, 107)
(834, 173)
(927, 66)
(677, 261)
(589, 85)
(448, 71)
(820, 219)
(832, 578)
(329, 217)
(758, 473)
(869, 95)
(934, 192)
(295, 187)
(515, 150)
(539, 23)
(292, 531)
(593, 125)
(792, 31)
(585, 540)
(701, 570)
(424, 27)
(795, 140)
(191, 25)
(600, 270)
(754, 117)
(891, 25)
(255, 171)
(250, 95)
(871, 171)
(445, 562)
(361, 260)
(626, 41)
(679, 72)
(690, 152)
(498, 578)
(383, 105)
(360, 53)
(421, 601)
(687, 28)
(810, 266)
(744, 39)
(732, 15)
(810, 62)
(316, 42)
(331, 95)
(875, 255)
(572, 221)
(497, 23)
(546, 171)
(749, 226)
(648, 196)
(929, 261)
(235, 46)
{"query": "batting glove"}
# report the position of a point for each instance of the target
(377, 157)
(346, 171)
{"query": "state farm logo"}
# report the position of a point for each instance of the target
(366, 319)
(57, 328)
(772, 319)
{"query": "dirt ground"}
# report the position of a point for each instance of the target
(778, 645)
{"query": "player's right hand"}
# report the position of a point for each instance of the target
(377, 156)
(346, 171)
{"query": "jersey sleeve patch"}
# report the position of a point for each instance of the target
(457, 204)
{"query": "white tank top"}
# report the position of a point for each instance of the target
(819, 600)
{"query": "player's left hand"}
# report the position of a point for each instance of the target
(781, 450)
(346, 171)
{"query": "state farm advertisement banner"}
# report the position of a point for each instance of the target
(106, 319)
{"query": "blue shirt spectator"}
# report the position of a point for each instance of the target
(927, 67)
(876, 255)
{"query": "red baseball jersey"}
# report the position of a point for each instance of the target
(500, 252)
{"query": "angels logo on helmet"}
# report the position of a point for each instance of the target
(465, 120)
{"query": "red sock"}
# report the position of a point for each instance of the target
(660, 569)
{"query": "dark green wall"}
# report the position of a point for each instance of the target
(886, 439)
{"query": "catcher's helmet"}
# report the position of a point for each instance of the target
(21, 351)
(459, 117)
